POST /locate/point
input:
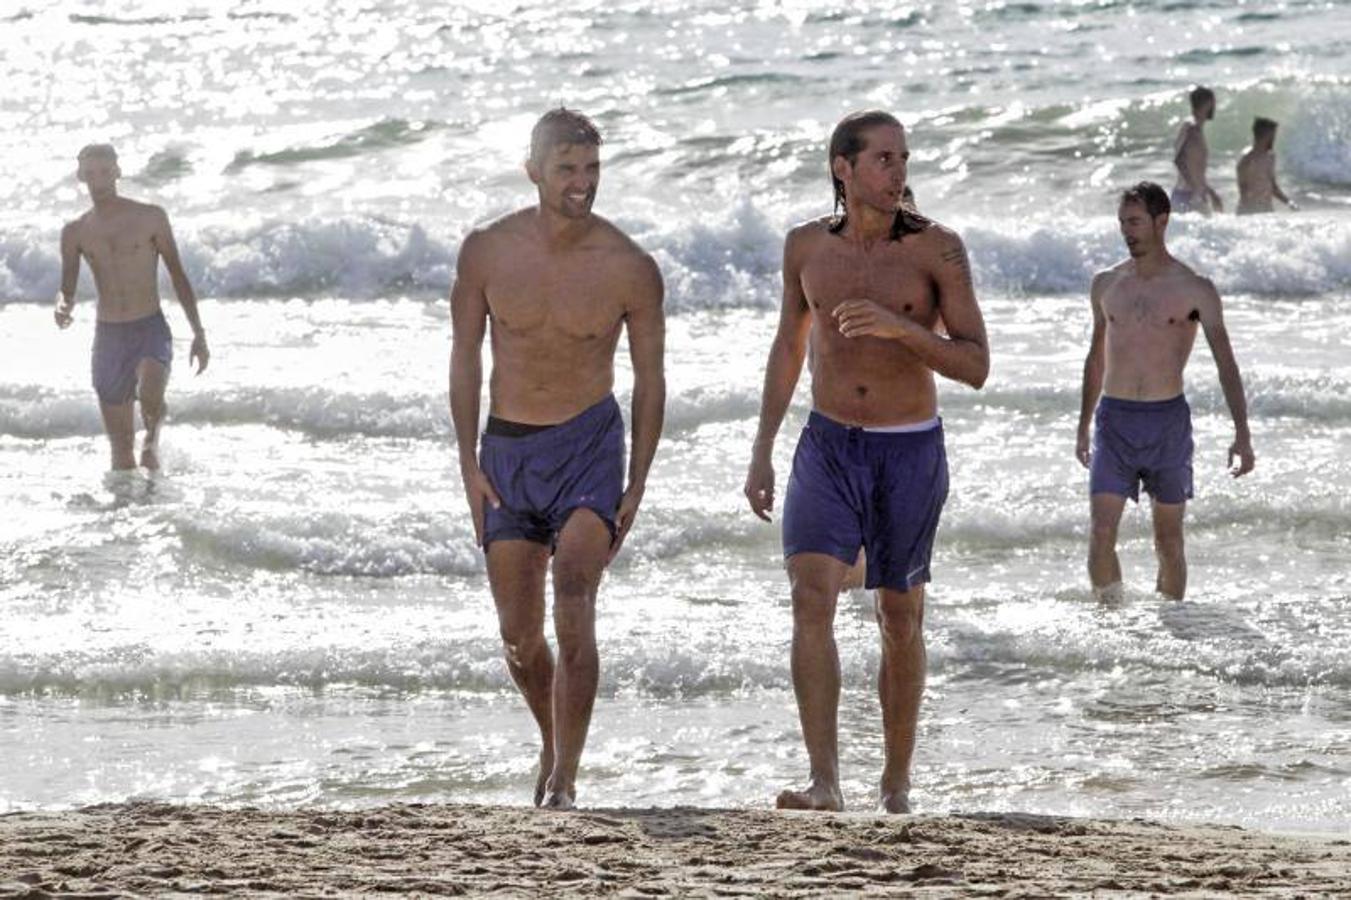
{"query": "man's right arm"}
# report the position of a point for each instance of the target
(781, 373)
(70, 273)
(468, 323)
(1094, 366)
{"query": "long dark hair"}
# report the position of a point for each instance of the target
(848, 140)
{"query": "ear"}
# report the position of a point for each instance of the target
(532, 171)
(117, 171)
(840, 168)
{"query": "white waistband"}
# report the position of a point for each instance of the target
(927, 425)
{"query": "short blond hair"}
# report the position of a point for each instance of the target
(97, 151)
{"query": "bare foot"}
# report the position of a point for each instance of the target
(559, 801)
(817, 796)
(895, 802)
(546, 765)
(150, 458)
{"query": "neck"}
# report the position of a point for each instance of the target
(561, 231)
(1153, 262)
(103, 199)
(1200, 119)
(867, 225)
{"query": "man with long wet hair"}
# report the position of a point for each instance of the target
(1145, 313)
(558, 283)
(867, 289)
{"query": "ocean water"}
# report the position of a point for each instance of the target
(294, 613)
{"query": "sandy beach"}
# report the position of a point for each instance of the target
(156, 849)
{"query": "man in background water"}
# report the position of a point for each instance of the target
(1145, 312)
(123, 241)
(1257, 171)
(558, 283)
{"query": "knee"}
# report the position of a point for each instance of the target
(574, 625)
(575, 581)
(813, 607)
(1168, 544)
(520, 639)
(901, 619)
(1102, 535)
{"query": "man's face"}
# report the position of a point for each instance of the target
(567, 179)
(877, 178)
(99, 173)
(1141, 231)
(1208, 110)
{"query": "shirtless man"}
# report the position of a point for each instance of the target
(123, 242)
(558, 283)
(1257, 171)
(867, 291)
(1145, 312)
(1191, 156)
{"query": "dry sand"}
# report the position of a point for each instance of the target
(156, 849)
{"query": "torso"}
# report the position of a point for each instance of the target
(869, 381)
(1191, 147)
(555, 318)
(1151, 326)
(1256, 176)
(118, 244)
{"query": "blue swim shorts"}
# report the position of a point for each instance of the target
(1180, 200)
(1147, 441)
(546, 475)
(119, 348)
(883, 491)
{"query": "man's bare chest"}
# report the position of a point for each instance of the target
(565, 302)
(116, 242)
(1134, 308)
(895, 283)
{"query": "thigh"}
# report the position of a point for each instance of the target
(1168, 519)
(580, 553)
(1105, 510)
(152, 377)
(516, 570)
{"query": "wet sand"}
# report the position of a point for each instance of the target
(157, 849)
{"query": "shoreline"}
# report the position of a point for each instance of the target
(156, 848)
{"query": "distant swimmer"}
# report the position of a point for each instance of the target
(558, 283)
(1257, 171)
(1191, 156)
(866, 290)
(123, 242)
(1145, 313)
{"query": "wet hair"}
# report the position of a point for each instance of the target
(96, 151)
(1261, 127)
(560, 127)
(849, 140)
(1200, 95)
(1149, 195)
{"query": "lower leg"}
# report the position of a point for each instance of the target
(152, 380)
(1104, 568)
(119, 422)
(900, 684)
(1169, 548)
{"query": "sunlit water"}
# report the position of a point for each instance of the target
(295, 613)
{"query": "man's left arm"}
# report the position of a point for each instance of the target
(1276, 188)
(187, 298)
(1212, 323)
(964, 354)
(646, 323)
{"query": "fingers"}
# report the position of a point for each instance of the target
(476, 513)
(490, 492)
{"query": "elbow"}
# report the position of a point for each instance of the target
(980, 375)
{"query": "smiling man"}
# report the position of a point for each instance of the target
(558, 283)
(867, 290)
(123, 241)
(1145, 313)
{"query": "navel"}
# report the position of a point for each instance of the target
(909, 306)
(861, 391)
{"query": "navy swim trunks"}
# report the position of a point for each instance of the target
(119, 348)
(546, 475)
(1146, 441)
(880, 490)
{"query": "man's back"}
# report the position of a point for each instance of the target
(556, 313)
(1256, 181)
(1190, 156)
(118, 241)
